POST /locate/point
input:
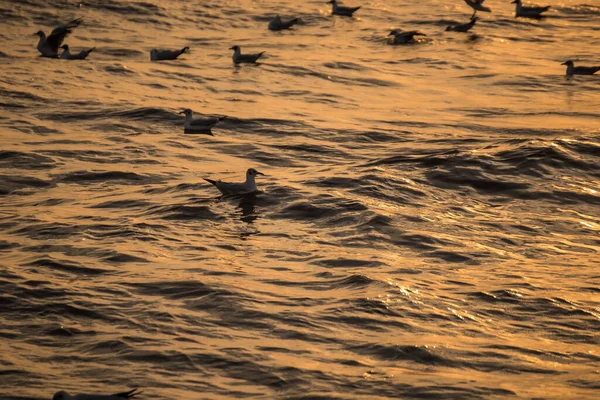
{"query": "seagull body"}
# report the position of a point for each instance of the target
(48, 46)
(573, 70)
(237, 188)
(66, 54)
(344, 11)
(403, 37)
(160, 55)
(462, 27)
(238, 57)
(62, 395)
(199, 125)
(529, 12)
(277, 24)
(477, 5)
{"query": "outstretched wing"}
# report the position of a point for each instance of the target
(127, 395)
(60, 32)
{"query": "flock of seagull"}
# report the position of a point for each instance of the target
(49, 46)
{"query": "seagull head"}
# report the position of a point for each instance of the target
(332, 1)
(39, 33)
(234, 48)
(65, 47)
(62, 395)
(253, 172)
(186, 49)
(568, 62)
(187, 111)
(394, 32)
(515, 1)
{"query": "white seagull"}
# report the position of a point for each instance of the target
(237, 188)
(277, 24)
(66, 54)
(199, 125)
(48, 46)
(403, 37)
(344, 11)
(529, 12)
(463, 27)
(160, 55)
(573, 70)
(62, 395)
(238, 57)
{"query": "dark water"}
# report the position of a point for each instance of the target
(428, 226)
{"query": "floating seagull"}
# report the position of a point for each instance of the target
(48, 46)
(477, 5)
(336, 9)
(199, 125)
(62, 395)
(238, 57)
(463, 27)
(403, 37)
(277, 24)
(573, 70)
(160, 55)
(237, 188)
(529, 12)
(66, 54)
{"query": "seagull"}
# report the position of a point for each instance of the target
(529, 12)
(573, 70)
(62, 395)
(66, 54)
(48, 46)
(237, 188)
(477, 5)
(238, 57)
(336, 9)
(403, 37)
(277, 24)
(462, 27)
(199, 125)
(159, 55)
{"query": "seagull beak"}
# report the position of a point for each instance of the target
(565, 63)
(259, 173)
(182, 112)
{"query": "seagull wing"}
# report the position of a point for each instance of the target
(60, 32)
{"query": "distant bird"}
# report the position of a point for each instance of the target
(160, 55)
(573, 70)
(529, 12)
(277, 24)
(344, 11)
(404, 37)
(238, 57)
(237, 188)
(463, 27)
(48, 46)
(477, 5)
(62, 395)
(199, 125)
(66, 54)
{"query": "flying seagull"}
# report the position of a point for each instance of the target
(66, 54)
(199, 125)
(463, 27)
(573, 70)
(237, 188)
(238, 57)
(477, 5)
(62, 395)
(48, 46)
(160, 55)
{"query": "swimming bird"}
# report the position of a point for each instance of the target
(48, 46)
(463, 27)
(199, 125)
(403, 37)
(277, 24)
(477, 5)
(237, 188)
(66, 54)
(62, 395)
(573, 70)
(238, 57)
(160, 55)
(529, 12)
(344, 11)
